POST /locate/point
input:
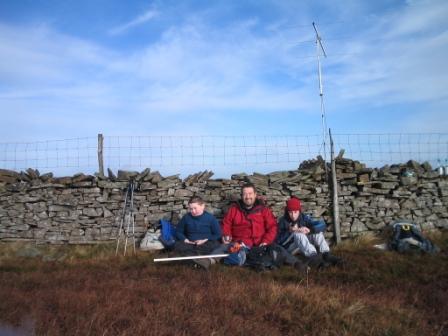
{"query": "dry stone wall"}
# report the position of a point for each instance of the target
(85, 209)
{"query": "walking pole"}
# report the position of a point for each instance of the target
(123, 215)
(192, 257)
(127, 219)
(132, 215)
(130, 218)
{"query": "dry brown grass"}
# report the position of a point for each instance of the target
(376, 293)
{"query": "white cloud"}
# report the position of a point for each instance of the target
(191, 69)
(394, 62)
(139, 20)
(39, 56)
(420, 17)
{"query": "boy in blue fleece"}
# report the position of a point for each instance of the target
(198, 232)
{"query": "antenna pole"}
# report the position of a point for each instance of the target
(320, 49)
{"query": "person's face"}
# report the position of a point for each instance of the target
(196, 209)
(294, 215)
(249, 196)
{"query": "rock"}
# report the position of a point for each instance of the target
(143, 174)
(427, 167)
(91, 212)
(113, 185)
(144, 186)
(442, 223)
(363, 178)
(375, 224)
(169, 182)
(357, 226)
(153, 177)
(9, 176)
(408, 180)
(198, 177)
(124, 175)
(59, 208)
(33, 174)
(183, 193)
(107, 213)
(111, 174)
(46, 177)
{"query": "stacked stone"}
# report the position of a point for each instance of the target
(370, 199)
(88, 209)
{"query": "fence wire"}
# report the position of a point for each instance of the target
(380, 149)
(205, 151)
(59, 155)
(222, 154)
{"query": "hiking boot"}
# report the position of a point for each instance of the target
(301, 267)
(204, 263)
(316, 261)
(332, 259)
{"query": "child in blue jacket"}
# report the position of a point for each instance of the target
(300, 234)
(198, 232)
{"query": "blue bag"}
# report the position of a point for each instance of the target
(319, 225)
(168, 233)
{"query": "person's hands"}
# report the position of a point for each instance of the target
(201, 241)
(294, 228)
(188, 241)
(263, 244)
(226, 239)
(303, 230)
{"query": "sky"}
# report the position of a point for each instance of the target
(72, 69)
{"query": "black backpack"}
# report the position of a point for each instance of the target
(407, 237)
(263, 258)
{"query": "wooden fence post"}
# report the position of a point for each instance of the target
(100, 155)
(336, 224)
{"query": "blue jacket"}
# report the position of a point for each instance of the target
(199, 227)
(285, 222)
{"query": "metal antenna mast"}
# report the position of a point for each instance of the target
(320, 49)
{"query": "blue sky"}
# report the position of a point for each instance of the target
(79, 68)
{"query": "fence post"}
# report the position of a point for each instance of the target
(100, 155)
(337, 228)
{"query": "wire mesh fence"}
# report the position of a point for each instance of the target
(224, 155)
(57, 155)
(207, 152)
(380, 149)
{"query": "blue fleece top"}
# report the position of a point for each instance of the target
(199, 227)
(285, 222)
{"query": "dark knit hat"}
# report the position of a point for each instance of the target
(293, 204)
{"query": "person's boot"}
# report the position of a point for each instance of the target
(301, 267)
(316, 261)
(332, 259)
(204, 263)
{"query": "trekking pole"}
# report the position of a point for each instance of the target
(123, 216)
(133, 216)
(130, 218)
(127, 224)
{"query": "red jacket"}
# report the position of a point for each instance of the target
(252, 227)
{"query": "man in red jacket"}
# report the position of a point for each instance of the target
(252, 224)
(249, 221)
